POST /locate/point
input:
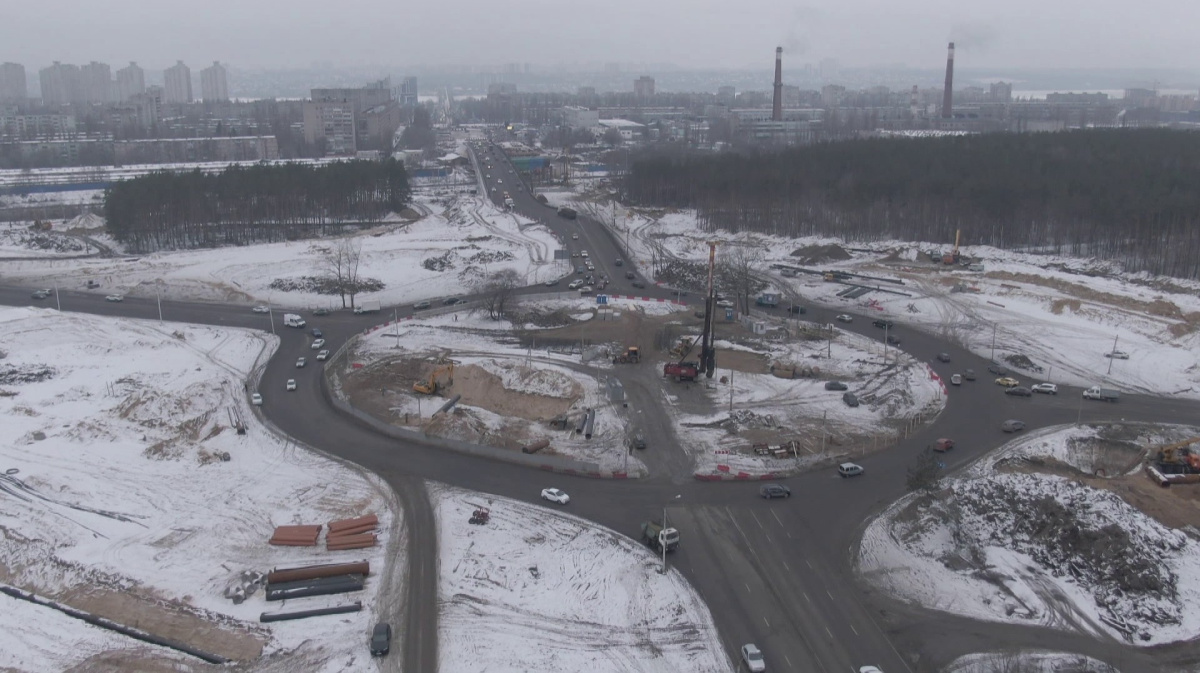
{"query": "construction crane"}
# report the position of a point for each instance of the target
(953, 256)
(1178, 459)
(431, 386)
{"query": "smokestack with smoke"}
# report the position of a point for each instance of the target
(777, 102)
(948, 94)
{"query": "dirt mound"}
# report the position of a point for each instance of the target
(483, 389)
(816, 254)
(1019, 361)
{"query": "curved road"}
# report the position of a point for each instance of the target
(777, 573)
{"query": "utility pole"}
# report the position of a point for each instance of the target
(396, 323)
(824, 418)
(662, 545)
(158, 299)
(1111, 357)
(993, 358)
(731, 391)
(57, 298)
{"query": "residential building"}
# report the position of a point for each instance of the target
(408, 91)
(643, 87)
(214, 86)
(16, 126)
(576, 117)
(60, 84)
(1000, 92)
(1135, 98)
(95, 83)
(131, 81)
(346, 120)
(177, 81)
(167, 150)
(13, 86)
(331, 123)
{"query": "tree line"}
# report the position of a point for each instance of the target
(252, 204)
(1131, 196)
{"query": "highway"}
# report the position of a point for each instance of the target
(778, 573)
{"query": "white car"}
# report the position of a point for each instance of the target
(574, 237)
(300, 362)
(1048, 388)
(256, 400)
(753, 658)
(317, 344)
(845, 318)
(114, 297)
(291, 384)
(583, 253)
(1117, 355)
(725, 303)
(870, 669)
(323, 355)
(261, 309)
(555, 495)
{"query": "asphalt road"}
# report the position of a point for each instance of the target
(777, 573)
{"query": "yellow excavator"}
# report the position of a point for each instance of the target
(431, 386)
(1178, 459)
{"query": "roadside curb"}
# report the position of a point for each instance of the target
(737, 476)
(592, 474)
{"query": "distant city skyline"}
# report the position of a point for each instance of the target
(693, 34)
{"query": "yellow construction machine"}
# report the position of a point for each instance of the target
(1178, 459)
(431, 386)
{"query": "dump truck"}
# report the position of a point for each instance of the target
(681, 371)
(1102, 394)
(657, 537)
(368, 306)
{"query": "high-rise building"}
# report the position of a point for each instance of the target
(408, 91)
(1000, 92)
(95, 82)
(214, 87)
(131, 81)
(60, 84)
(345, 120)
(177, 81)
(643, 87)
(12, 82)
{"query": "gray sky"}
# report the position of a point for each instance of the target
(703, 33)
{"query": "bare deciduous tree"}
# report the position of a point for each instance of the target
(340, 263)
(497, 291)
(737, 272)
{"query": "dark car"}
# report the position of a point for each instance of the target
(1019, 391)
(850, 399)
(381, 639)
(1012, 425)
(884, 324)
(321, 311)
(798, 309)
(997, 369)
(317, 333)
(769, 491)
(450, 301)
(893, 340)
(421, 305)
(639, 442)
(835, 385)
(638, 283)
(943, 357)
(618, 262)
(969, 375)
(630, 275)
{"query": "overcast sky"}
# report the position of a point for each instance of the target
(701, 33)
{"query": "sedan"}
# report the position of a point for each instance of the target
(1047, 388)
(261, 309)
(850, 399)
(574, 237)
(883, 324)
(551, 283)
(42, 294)
(114, 297)
(555, 495)
(835, 385)
(291, 384)
(943, 445)
(1007, 382)
(1012, 426)
(300, 362)
(323, 355)
(638, 284)
(753, 658)
(845, 317)
(381, 639)
(421, 305)
(1117, 355)
(1019, 391)
(317, 333)
(943, 357)
(997, 369)
(321, 311)
(316, 345)
(256, 400)
(770, 491)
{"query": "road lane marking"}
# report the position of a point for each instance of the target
(756, 519)
(853, 629)
(808, 564)
(785, 658)
(785, 567)
(829, 594)
(829, 632)
(766, 622)
(748, 587)
(806, 597)
(777, 518)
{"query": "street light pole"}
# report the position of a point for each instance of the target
(1110, 356)
(57, 299)
(158, 299)
(993, 358)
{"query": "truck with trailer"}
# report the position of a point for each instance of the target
(681, 371)
(293, 320)
(658, 537)
(367, 306)
(1102, 394)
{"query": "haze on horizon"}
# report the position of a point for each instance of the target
(698, 34)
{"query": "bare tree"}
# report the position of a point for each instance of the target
(497, 291)
(737, 270)
(340, 264)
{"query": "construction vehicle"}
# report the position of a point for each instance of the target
(681, 371)
(1177, 458)
(631, 355)
(432, 386)
(658, 537)
(953, 256)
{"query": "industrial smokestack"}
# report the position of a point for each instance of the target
(777, 102)
(948, 94)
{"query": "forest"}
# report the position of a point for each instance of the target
(1126, 195)
(252, 204)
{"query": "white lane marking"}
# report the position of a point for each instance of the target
(829, 594)
(756, 519)
(853, 629)
(785, 567)
(829, 632)
(806, 597)
(785, 658)
(776, 517)
(766, 622)
(808, 564)
(748, 587)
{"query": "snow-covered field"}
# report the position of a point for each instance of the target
(539, 590)
(114, 486)
(799, 408)
(1040, 549)
(441, 254)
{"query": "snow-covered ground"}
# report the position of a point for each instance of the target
(441, 254)
(799, 408)
(1040, 548)
(1062, 313)
(114, 484)
(524, 378)
(540, 590)
(1026, 661)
